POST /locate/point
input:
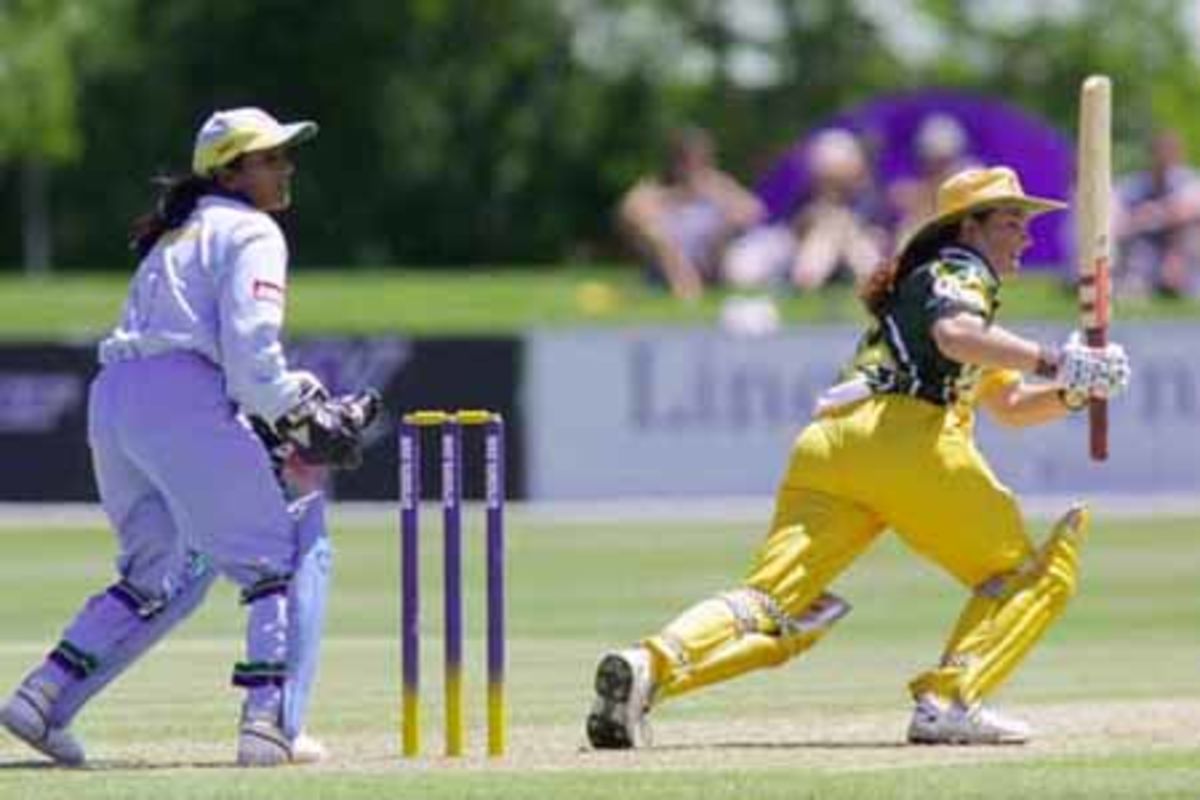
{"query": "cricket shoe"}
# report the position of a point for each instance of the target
(935, 722)
(623, 691)
(262, 743)
(307, 750)
(26, 715)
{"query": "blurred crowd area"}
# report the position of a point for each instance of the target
(692, 225)
(456, 134)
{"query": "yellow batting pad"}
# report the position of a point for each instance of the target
(734, 633)
(1007, 616)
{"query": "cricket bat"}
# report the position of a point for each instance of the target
(1094, 238)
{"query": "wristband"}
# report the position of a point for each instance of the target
(1072, 401)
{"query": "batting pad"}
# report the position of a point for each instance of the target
(194, 583)
(1006, 617)
(734, 633)
(307, 595)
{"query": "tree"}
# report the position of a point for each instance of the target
(44, 47)
(459, 132)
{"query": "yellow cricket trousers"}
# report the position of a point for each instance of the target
(886, 461)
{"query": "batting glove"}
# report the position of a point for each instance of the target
(1117, 373)
(1086, 371)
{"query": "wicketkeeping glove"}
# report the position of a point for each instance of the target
(328, 431)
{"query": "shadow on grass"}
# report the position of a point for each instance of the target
(810, 744)
(889, 744)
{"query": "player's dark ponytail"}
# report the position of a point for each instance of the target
(177, 198)
(877, 288)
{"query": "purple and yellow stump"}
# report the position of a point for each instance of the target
(450, 426)
(494, 492)
(410, 590)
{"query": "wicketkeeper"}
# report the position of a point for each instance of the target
(184, 480)
(892, 446)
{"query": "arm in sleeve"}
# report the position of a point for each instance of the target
(1016, 403)
(960, 302)
(252, 291)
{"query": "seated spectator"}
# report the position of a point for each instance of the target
(1157, 224)
(941, 146)
(839, 228)
(682, 219)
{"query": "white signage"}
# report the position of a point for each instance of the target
(675, 412)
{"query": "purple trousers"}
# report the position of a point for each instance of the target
(179, 473)
(177, 469)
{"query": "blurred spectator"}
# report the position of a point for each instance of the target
(941, 146)
(682, 219)
(840, 227)
(1157, 223)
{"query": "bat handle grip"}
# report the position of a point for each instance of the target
(1098, 424)
(1098, 406)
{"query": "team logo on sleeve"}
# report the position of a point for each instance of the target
(268, 291)
(959, 293)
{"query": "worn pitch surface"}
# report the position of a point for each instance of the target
(1113, 691)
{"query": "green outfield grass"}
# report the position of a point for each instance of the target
(483, 300)
(1114, 689)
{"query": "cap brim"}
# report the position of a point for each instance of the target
(1033, 206)
(289, 135)
(294, 133)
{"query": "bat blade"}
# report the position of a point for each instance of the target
(1093, 215)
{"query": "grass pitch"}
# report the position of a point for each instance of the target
(483, 300)
(1113, 690)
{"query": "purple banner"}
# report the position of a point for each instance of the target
(997, 133)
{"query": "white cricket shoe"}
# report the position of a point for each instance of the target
(935, 722)
(262, 743)
(623, 691)
(307, 750)
(26, 715)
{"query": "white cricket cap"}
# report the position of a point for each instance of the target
(228, 134)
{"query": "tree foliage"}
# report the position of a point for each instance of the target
(458, 132)
(46, 46)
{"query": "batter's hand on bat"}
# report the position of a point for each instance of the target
(1100, 372)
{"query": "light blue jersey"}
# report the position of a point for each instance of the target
(216, 286)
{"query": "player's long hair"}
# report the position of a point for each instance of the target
(177, 198)
(877, 288)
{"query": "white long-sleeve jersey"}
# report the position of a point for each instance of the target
(216, 285)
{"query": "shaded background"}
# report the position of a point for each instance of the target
(456, 133)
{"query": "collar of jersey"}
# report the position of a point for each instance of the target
(221, 193)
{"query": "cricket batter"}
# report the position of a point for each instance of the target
(891, 446)
(186, 484)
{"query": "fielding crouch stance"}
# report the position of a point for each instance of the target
(185, 481)
(892, 447)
